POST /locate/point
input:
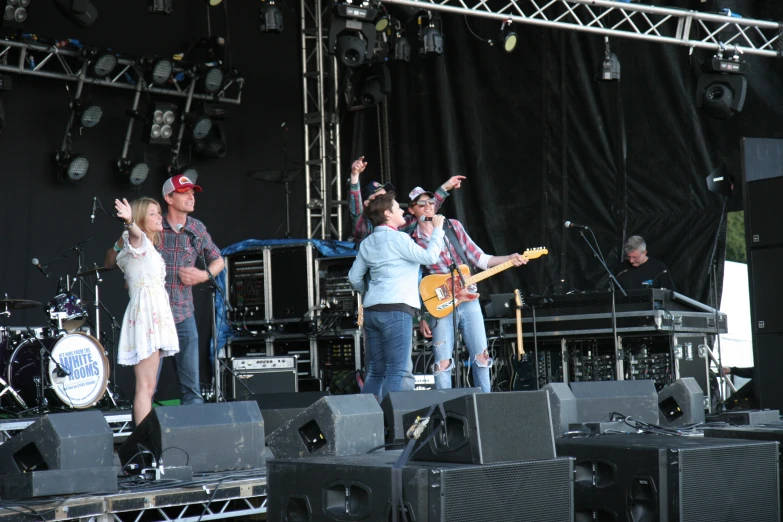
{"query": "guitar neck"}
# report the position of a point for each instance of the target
(472, 280)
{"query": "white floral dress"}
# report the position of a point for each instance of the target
(148, 324)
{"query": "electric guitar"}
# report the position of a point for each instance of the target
(435, 289)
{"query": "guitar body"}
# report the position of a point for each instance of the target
(436, 290)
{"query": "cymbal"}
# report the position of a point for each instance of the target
(18, 304)
(93, 271)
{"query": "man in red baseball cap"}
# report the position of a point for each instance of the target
(184, 240)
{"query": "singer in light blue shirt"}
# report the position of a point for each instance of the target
(392, 260)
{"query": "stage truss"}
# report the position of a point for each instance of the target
(693, 29)
(323, 187)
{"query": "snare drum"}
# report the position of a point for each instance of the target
(83, 360)
(67, 307)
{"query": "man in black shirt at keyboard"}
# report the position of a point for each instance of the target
(641, 271)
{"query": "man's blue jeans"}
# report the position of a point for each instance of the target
(186, 362)
(389, 339)
(470, 322)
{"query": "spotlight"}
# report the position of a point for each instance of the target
(80, 12)
(402, 48)
(89, 116)
(213, 3)
(159, 71)
(71, 167)
(430, 36)
(159, 124)
(160, 6)
(370, 87)
(213, 145)
(136, 173)
(721, 89)
(103, 63)
(200, 125)
(352, 35)
(212, 80)
(270, 19)
(187, 171)
(609, 70)
(507, 37)
(382, 21)
(16, 10)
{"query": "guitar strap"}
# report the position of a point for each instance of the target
(452, 237)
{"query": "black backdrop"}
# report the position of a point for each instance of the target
(41, 218)
(542, 142)
(539, 140)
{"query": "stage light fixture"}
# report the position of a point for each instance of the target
(103, 63)
(508, 37)
(159, 71)
(376, 85)
(80, 12)
(352, 34)
(16, 10)
(160, 6)
(200, 125)
(211, 80)
(382, 21)
(135, 173)
(721, 88)
(402, 48)
(609, 70)
(89, 116)
(213, 3)
(270, 19)
(159, 124)
(430, 35)
(71, 167)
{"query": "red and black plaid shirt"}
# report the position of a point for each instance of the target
(470, 248)
(180, 251)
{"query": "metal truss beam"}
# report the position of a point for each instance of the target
(666, 25)
(50, 61)
(323, 190)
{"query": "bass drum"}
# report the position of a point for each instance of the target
(80, 383)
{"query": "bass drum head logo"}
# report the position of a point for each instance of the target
(83, 375)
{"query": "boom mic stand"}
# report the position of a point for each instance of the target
(612, 282)
(712, 275)
(453, 268)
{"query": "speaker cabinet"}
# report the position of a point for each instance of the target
(333, 426)
(485, 428)
(641, 478)
(396, 404)
(59, 454)
(767, 300)
(681, 403)
(207, 437)
(278, 408)
(563, 405)
(597, 400)
(768, 359)
(359, 488)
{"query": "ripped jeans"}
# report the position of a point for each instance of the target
(470, 322)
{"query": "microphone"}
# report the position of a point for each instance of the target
(92, 214)
(621, 273)
(571, 224)
(651, 282)
(41, 269)
(422, 219)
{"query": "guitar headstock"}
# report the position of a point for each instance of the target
(535, 253)
(518, 298)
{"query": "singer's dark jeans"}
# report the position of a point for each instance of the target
(186, 362)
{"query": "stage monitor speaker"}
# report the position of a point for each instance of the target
(277, 408)
(207, 437)
(597, 400)
(681, 403)
(486, 428)
(337, 425)
(358, 488)
(688, 479)
(59, 454)
(563, 405)
(396, 404)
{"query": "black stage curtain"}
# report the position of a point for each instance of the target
(541, 142)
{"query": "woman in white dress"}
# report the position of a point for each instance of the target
(148, 331)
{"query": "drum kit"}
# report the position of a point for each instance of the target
(58, 366)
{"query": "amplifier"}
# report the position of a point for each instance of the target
(358, 487)
(252, 375)
(676, 479)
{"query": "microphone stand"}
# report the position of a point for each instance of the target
(216, 288)
(454, 268)
(612, 282)
(712, 275)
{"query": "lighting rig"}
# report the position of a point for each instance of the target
(721, 88)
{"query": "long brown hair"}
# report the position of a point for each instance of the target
(139, 209)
